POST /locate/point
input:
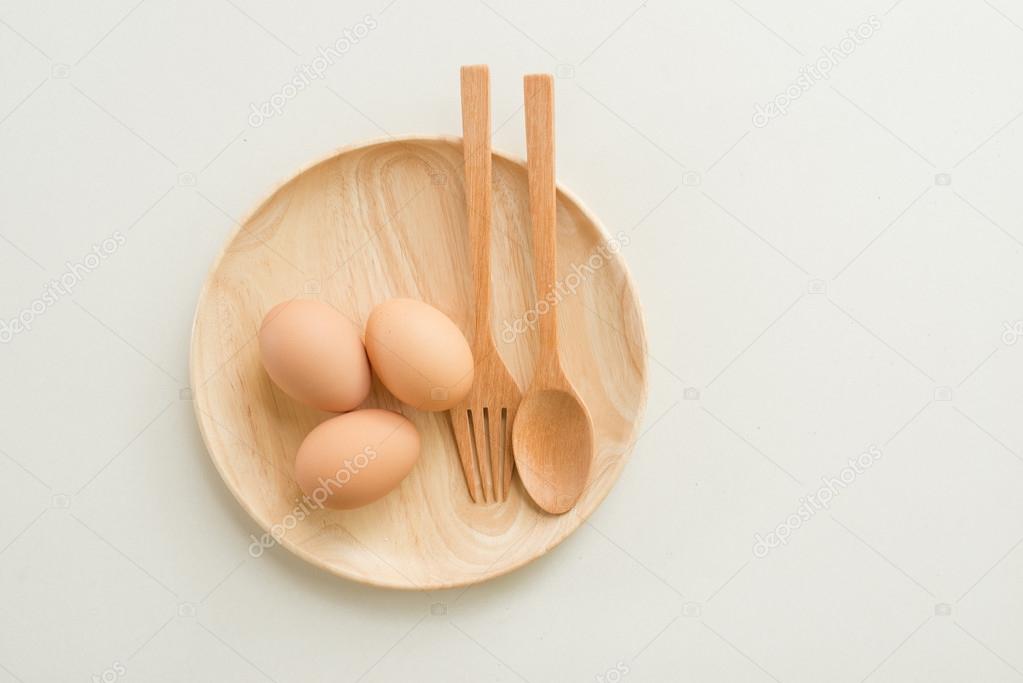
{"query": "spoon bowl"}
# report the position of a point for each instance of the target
(554, 447)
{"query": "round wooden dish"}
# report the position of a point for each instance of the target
(387, 219)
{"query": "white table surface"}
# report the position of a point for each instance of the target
(846, 276)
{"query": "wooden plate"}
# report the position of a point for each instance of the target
(383, 220)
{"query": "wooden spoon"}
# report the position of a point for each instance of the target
(553, 432)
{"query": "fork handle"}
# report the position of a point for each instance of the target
(478, 188)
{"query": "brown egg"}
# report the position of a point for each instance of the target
(356, 458)
(314, 354)
(419, 354)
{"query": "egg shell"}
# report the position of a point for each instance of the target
(419, 354)
(314, 354)
(354, 459)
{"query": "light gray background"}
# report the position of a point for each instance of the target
(848, 275)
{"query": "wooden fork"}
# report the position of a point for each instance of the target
(482, 423)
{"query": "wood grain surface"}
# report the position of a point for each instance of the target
(553, 435)
(387, 219)
(482, 422)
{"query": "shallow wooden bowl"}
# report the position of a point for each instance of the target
(387, 219)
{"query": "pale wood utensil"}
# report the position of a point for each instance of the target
(482, 423)
(364, 224)
(553, 435)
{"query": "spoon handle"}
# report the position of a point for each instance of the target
(539, 96)
(476, 150)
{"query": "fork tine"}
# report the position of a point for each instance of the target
(481, 443)
(494, 446)
(507, 458)
(460, 423)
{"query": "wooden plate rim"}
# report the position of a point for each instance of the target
(315, 560)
